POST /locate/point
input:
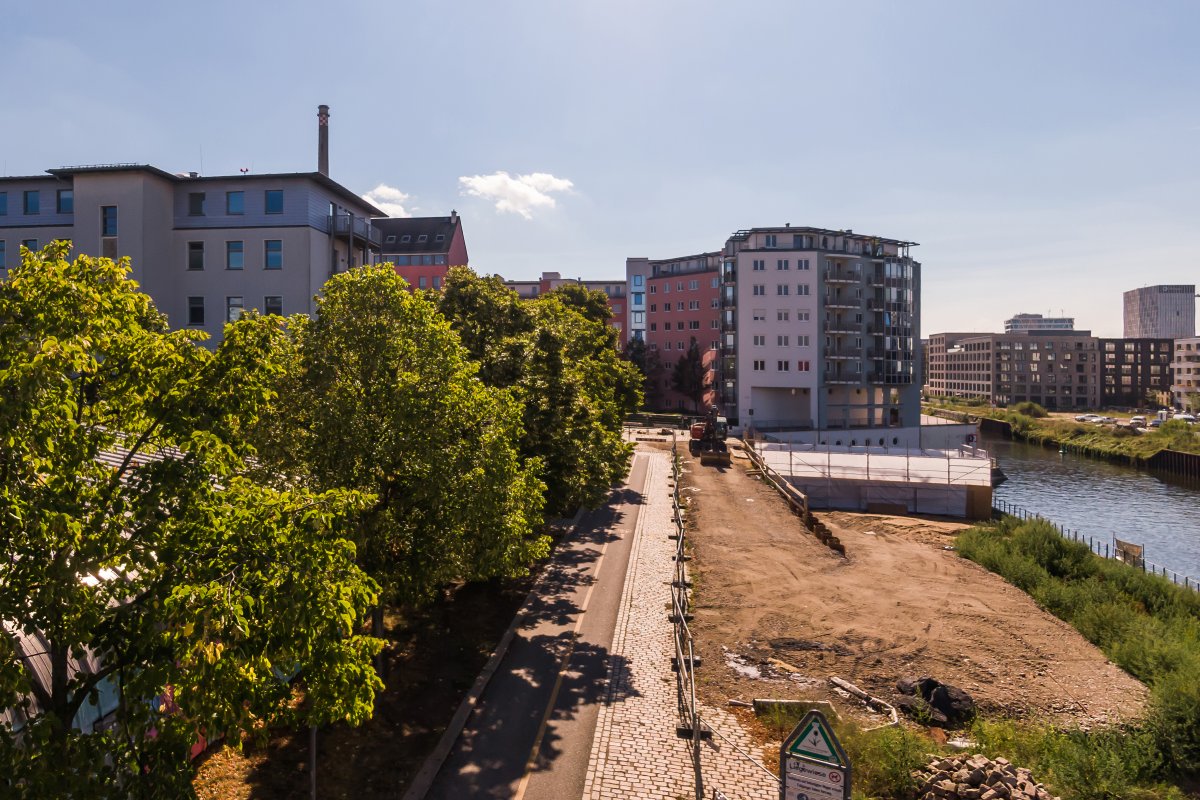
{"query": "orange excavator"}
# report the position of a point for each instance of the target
(708, 439)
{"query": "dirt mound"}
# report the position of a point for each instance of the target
(777, 613)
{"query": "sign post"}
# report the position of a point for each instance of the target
(812, 763)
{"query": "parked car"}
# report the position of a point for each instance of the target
(1087, 418)
(1185, 417)
(1156, 423)
(1137, 421)
(1104, 420)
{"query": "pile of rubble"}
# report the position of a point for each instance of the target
(977, 777)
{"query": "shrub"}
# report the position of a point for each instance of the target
(1030, 409)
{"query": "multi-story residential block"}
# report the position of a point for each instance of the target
(423, 248)
(820, 330)
(1136, 372)
(1036, 322)
(205, 248)
(614, 290)
(1056, 369)
(1160, 312)
(682, 305)
(1185, 371)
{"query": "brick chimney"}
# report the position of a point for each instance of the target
(323, 140)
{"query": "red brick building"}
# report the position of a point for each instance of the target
(683, 303)
(423, 248)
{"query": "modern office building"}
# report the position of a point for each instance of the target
(1056, 369)
(1161, 312)
(1136, 372)
(819, 330)
(1036, 322)
(423, 249)
(205, 248)
(1185, 371)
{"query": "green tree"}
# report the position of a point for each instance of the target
(650, 366)
(559, 356)
(688, 376)
(381, 397)
(140, 559)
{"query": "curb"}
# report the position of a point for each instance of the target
(423, 780)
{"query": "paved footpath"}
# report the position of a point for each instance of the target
(635, 752)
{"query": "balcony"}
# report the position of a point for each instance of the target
(842, 276)
(852, 328)
(843, 302)
(841, 378)
(850, 353)
(344, 224)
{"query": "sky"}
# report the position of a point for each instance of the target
(1044, 155)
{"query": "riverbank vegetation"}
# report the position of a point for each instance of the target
(1103, 441)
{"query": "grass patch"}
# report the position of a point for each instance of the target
(1147, 625)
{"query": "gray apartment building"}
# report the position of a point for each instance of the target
(1056, 369)
(1036, 322)
(1136, 372)
(819, 330)
(205, 248)
(1160, 312)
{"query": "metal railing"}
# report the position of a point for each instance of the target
(1103, 548)
(685, 660)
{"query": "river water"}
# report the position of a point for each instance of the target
(1102, 499)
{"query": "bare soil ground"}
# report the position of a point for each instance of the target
(777, 613)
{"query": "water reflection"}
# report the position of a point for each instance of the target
(1102, 499)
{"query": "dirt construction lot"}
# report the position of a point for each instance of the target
(777, 613)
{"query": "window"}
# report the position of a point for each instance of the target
(715, 303)
(108, 220)
(716, 282)
(679, 325)
(801, 289)
(234, 255)
(33, 202)
(424, 237)
(679, 306)
(441, 237)
(693, 305)
(422, 282)
(195, 311)
(437, 282)
(781, 316)
(803, 366)
(29, 244)
(66, 201)
(639, 317)
(427, 259)
(406, 238)
(679, 286)
(714, 323)
(770, 240)
(273, 254)
(654, 306)
(759, 315)
(782, 289)
(195, 255)
(759, 290)
(439, 259)
(3, 263)
(782, 366)
(390, 239)
(653, 326)
(781, 341)
(196, 205)
(760, 264)
(3, 204)
(639, 298)
(637, 281)
(273, 304)
(273, 201)
(782, 264)
(759, 341)
(760, 366)
(233, 309)
(693, 284)
(802, 341)
(694, 324)
(802, 263)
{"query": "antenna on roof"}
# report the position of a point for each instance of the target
(244, 170)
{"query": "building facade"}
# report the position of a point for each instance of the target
(423, 249)
(819, 330)
(1036, 322)
(204, 248)
(614, 290)
(1160, 312)
(1136, 372)
(1185, 372)
(1057, 370)
(682, 306)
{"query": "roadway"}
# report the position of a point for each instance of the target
(531, 733)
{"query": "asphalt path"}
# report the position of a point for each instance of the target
(531, 732)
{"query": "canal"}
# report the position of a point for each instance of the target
(1101, 499)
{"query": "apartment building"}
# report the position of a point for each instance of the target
(1036, 322)
(1185, 371)
(1056, 369)
(423, 249)
(1160, 312)
(205, 248)
(820, 330)
(1136, 372)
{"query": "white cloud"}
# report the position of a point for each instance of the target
(389, 200)
(520, 195)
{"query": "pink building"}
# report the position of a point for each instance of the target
(682, 303)
(423, 248)
(614, 290)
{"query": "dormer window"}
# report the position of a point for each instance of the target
(423, 238)
(405, 239)
(441, 237)
(391, 239)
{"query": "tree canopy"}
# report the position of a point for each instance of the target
(688, 376)
(380, 396)
(142, 561)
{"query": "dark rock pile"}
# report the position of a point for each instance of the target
(934, 702)
(977, 777)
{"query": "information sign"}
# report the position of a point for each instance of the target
(812, 763)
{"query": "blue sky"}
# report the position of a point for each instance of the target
(1045, 155)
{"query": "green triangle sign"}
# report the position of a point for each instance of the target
(816, 742)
